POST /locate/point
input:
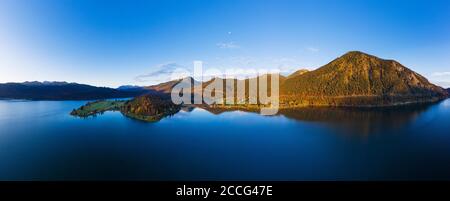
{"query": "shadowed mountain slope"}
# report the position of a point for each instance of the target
(61, 91)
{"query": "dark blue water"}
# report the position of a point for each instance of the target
(39, 140)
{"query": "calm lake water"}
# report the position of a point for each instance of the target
(39, 140)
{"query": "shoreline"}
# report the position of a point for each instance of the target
(94, 108)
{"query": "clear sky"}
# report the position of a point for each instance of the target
(112, 43)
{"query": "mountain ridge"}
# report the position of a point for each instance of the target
(60, 91)
(297, 73)
(353, 79)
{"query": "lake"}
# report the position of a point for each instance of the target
(39, 140)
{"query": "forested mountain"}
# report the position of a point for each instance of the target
(61, 91)
(357, 73)
(357, 78)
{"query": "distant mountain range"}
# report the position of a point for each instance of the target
(63, 91)
(167, 87)
(354, 79)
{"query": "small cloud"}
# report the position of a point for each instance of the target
(229, 33)
(163, 73)
(312, 49)
(441, 74)
(228, 45)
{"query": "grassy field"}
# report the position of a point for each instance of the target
(96, 107)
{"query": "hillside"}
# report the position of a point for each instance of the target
(149, 107)
(60, 91)
(167, 87)
(354, 79)
(297, 73)
(357, 78)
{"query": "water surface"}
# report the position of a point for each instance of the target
(39, 140)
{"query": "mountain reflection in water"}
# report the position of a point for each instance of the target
(40, 140)
(352, 120)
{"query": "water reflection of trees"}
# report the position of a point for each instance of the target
(361, 121)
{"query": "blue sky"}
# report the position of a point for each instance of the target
(112, 43)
